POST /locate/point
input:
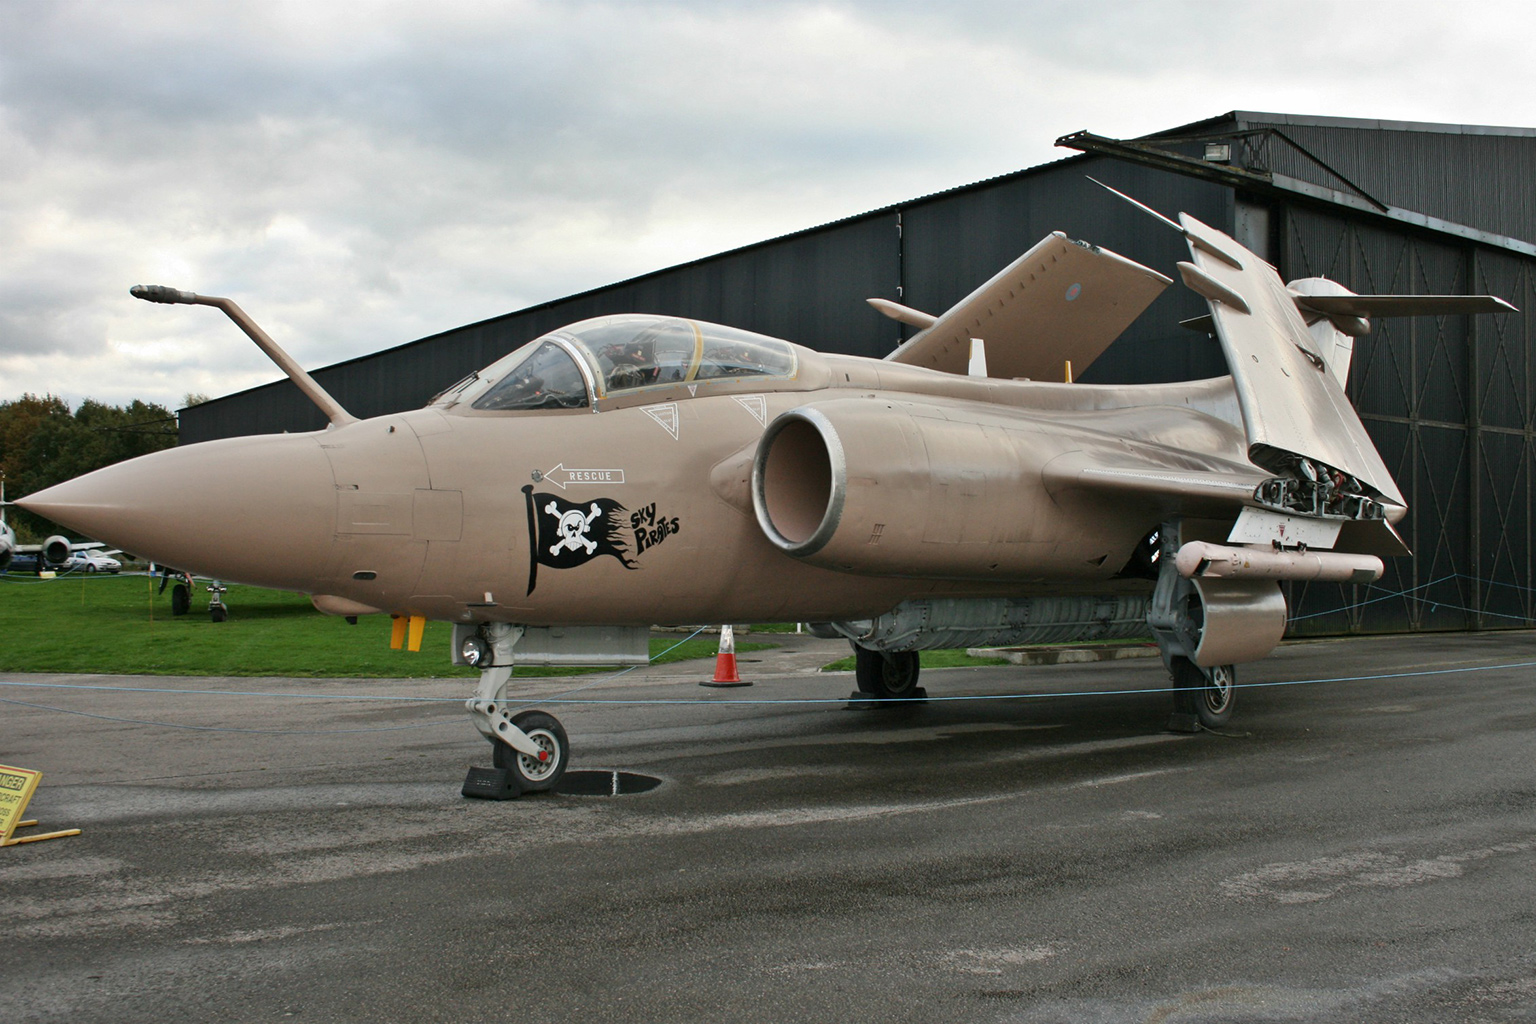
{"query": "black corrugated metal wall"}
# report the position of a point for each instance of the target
(1448, 402)
(1466, 174)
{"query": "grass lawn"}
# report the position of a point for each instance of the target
(927, 659)
(119, 624)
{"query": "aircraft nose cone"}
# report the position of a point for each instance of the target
(248, 509)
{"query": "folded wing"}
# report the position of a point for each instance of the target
(1061, 301)
(1293, 408)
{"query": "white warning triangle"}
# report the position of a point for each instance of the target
(666, 415)
(757, 405)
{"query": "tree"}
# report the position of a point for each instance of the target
(42, 443)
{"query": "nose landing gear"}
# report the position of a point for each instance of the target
(535, 772)
(218, 611)
(529, 749)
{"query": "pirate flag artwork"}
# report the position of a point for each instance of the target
(564, 534)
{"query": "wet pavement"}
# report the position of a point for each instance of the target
(1359, 849)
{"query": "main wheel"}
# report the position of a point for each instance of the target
(532, 774)
(1211, 700)
(181, 599)
(887, 676)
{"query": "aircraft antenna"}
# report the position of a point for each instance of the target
(1143, 207)
(1197, 240)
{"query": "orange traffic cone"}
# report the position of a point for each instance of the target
(725, 661)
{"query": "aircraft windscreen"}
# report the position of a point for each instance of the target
(642, 351)
(548, 379)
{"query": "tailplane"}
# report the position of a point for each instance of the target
(1336, 316)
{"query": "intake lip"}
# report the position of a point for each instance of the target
(799, 481)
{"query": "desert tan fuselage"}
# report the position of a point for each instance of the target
(432, 512)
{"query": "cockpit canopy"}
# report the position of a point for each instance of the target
(577, 365)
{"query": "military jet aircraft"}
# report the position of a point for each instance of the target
(629, 470)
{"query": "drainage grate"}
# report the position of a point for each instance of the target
(603, 782)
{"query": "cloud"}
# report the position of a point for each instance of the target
(357, 181)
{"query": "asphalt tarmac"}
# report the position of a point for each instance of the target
(1361, 849)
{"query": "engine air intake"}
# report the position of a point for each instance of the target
(799, 482)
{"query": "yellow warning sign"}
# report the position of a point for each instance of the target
(16, 788)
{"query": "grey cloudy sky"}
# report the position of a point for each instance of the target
(360, 174)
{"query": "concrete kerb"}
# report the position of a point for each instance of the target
(1066, 654)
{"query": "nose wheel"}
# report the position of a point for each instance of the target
(535, 772)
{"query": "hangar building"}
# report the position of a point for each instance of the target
(1380, 206)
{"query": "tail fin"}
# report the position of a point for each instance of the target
(1288, 349)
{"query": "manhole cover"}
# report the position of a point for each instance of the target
(603, 782)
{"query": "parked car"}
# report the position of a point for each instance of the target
(24, 563)
(92, 561)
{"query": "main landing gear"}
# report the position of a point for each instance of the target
(1202, 697)
(883, 675)
(529, 749)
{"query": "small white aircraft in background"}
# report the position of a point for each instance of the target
(55, 553)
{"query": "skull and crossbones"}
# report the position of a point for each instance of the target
(573, 528)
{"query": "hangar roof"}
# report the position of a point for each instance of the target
(1454, 175)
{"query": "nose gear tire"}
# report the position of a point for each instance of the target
(533, 775)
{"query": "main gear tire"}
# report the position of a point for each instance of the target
(887, 676)
(1211, 700)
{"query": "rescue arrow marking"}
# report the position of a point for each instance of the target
(560, 476)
